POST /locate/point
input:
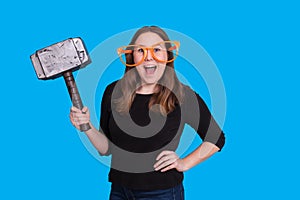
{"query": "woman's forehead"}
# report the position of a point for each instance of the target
(148, 39)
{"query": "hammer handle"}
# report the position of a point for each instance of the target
(74, 95)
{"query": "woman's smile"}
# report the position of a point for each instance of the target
(150, 69)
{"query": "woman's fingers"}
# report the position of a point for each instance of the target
(85, 109)
(163, 153)
(76, 110)
(73, 121)
(166, 159)
(79, 117)
(167, 163)
(172, 166)
(162, 159)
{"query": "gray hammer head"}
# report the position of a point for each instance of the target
(52, 61)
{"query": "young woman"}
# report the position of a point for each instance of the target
(142, 118)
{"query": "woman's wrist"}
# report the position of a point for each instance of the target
(91, 130)
(181, 165)
(185, 164)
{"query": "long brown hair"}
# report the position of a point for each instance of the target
(170, 90)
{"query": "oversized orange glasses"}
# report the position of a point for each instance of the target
(164, 52)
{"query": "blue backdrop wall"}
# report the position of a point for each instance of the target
(255, 46)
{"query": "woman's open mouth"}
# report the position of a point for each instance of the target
(150, 69)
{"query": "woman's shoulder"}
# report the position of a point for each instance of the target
(188, 91)
(186, 88)
(190, 95)
(110, 87)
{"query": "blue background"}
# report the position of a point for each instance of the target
(255, 46)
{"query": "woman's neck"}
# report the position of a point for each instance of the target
(147, 89)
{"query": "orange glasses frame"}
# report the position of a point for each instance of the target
(124, 50)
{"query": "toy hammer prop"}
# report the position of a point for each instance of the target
(61, 59)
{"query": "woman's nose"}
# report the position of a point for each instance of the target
(148, 55)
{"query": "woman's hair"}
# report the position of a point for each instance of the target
(170, 90)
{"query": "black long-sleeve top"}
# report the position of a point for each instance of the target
(137, 139)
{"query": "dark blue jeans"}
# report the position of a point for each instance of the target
(121, 193)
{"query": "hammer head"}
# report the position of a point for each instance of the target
(52, 61)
